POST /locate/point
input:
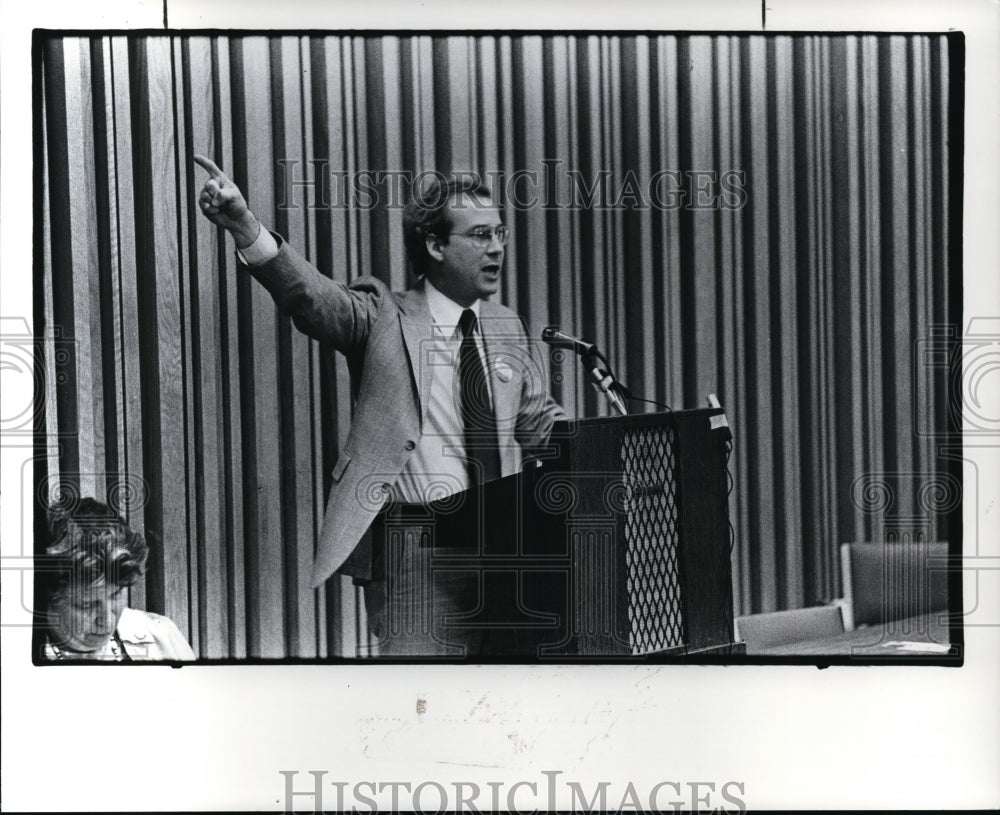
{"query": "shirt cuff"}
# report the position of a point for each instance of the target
(262, 249)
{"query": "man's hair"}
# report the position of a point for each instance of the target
(89, 542)
(427, 213)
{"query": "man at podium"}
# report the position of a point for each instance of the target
(449, 394)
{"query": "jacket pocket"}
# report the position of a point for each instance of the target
(341, 465)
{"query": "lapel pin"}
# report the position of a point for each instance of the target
(503, 371)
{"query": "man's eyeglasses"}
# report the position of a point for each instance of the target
(482, 236)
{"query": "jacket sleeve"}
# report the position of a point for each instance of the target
(538, 410)
(320, 307)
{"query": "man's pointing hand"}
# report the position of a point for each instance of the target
(224, 205)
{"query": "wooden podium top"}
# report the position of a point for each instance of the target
(560, 429)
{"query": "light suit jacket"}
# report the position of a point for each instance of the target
(382, 334)
(151, 636)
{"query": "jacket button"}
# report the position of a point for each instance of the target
(411, 444)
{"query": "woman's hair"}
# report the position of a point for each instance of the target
(87, 543)
(427, 213)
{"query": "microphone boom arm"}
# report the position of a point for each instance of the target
(592, 360)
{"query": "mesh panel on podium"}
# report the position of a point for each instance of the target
(652, 536)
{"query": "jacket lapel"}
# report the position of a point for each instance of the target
(415, 320)
(502, 360)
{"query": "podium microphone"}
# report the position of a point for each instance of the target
(560, 339)
(591, 358)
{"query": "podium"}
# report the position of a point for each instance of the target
(616, 545)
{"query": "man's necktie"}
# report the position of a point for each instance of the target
(481, 447)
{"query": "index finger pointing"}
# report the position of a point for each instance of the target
(208, 165)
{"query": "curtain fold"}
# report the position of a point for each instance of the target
(765, 218)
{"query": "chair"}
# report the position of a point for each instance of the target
(893, 581)
(763, 631)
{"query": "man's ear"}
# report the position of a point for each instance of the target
(433, 244)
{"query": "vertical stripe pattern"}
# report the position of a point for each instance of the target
(760, 217)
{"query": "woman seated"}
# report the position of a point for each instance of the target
(93, 557)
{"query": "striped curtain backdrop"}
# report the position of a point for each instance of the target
(765, 218)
